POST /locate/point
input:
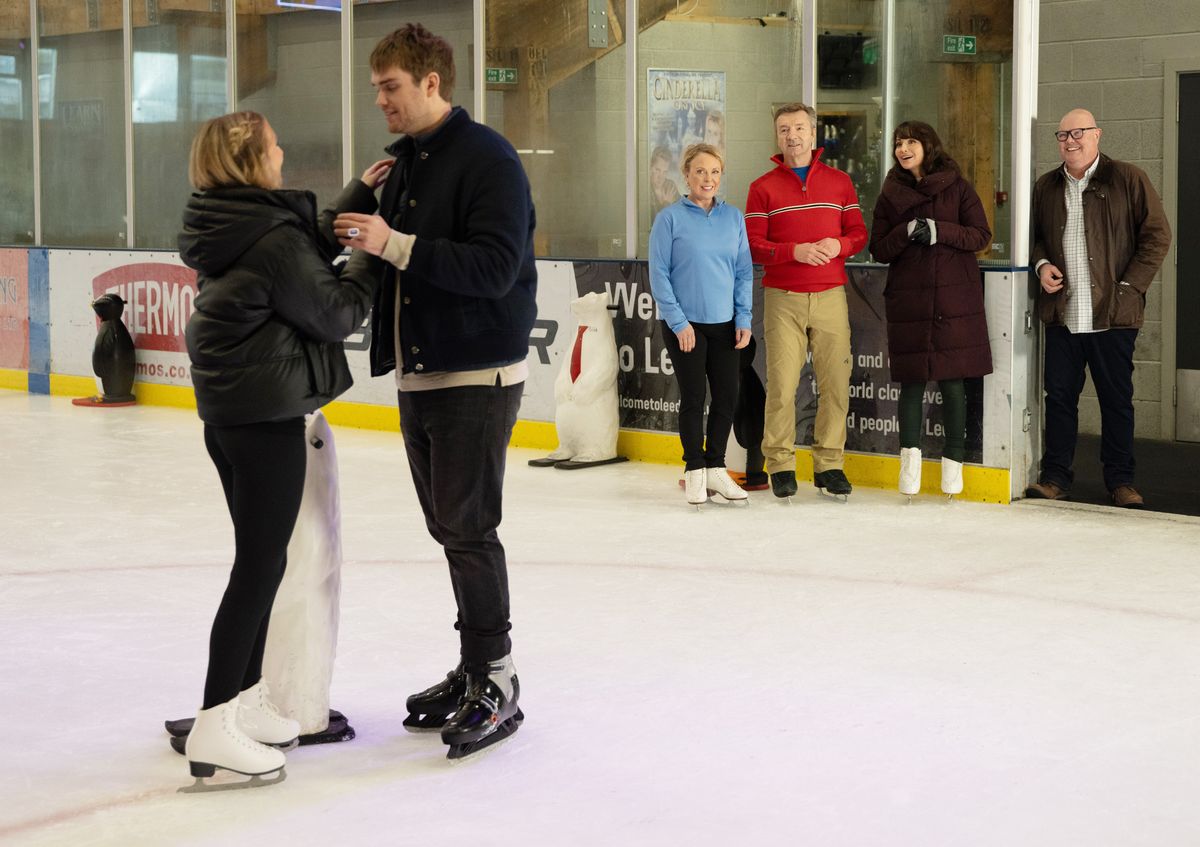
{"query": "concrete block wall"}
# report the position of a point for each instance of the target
(1107, 56)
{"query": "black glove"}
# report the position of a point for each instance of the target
(921, 234)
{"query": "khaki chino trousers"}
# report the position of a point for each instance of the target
(795, 323)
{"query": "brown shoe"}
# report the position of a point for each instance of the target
(1046, 491)
(1127, 497)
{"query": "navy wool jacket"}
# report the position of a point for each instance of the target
(470, 288)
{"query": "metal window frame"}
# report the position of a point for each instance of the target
(36, 117)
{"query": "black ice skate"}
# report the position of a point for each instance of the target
(783, 484)
(488, 712)
(429, 709)
(833, 483)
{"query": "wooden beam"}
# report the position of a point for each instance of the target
(990, 21)
(968, 128)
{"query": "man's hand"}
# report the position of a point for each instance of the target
(362, 232)
(375, 175)
(1051, 278)
(741, 337)
(816, 253)
(687, 339)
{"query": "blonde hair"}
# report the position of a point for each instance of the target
(695, 150)
(229, 151)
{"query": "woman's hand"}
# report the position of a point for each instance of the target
(362, 232)
(687, 339)
(741, 337)
(377, 174)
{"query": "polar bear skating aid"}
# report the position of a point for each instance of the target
(585, 392)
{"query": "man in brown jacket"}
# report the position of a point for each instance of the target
(1100, 235)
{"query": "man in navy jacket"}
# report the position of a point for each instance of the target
(452, 317)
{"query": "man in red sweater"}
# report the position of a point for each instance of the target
(803, 220)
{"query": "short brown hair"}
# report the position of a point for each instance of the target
(788, 108)
(695, 150)
(230, 150)
(419, 52)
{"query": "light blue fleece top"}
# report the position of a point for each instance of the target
(700, 267)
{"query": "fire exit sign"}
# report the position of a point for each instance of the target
(505, 75)
(964, 44)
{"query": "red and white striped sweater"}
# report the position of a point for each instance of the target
(782, 211)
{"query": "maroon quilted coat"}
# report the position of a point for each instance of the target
(934, 295)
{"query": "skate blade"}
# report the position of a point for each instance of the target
(458, 752)
(255, 781)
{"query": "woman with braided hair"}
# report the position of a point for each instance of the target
(265, 342)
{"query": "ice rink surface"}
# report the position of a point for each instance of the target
(813, 674)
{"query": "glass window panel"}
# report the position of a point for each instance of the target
(289, 70)
(850, 79)
(561, 102)
(155, 87)
(81, 73)
(720, 71)
(16, 131)
(963, 95)
(450, 19)
(167, 113)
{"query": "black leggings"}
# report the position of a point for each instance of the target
(713, 361)
(262, 471)
(954, 416)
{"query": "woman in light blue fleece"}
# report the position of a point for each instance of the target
(701, 276)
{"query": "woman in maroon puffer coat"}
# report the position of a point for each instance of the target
(928, 226)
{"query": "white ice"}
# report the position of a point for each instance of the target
(814, 673)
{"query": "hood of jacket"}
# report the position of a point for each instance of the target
(221, 224)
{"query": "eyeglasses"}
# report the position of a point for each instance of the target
(1064, 134)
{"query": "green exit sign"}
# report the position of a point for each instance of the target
(964, 44)
(508, 75)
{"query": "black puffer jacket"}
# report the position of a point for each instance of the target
(266, 337)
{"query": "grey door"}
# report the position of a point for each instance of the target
(1187, 275)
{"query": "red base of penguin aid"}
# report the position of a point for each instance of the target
(98, 400)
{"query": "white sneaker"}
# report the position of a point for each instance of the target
(718, 481)
(216, 741)
(910, 470)
(259, 719)
(693, 484)
(952, 482)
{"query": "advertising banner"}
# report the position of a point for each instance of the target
(14, 309)
(159, 294)
(684, 107)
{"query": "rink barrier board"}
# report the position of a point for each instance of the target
(980, 484)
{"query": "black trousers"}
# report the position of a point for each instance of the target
(457, 442)
(262, 472)
(1109, 357)
(714, 363)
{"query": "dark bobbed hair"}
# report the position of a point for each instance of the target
(936, 159)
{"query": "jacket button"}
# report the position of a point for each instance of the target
(419, 367)
(414, 350)
(424, 155)
(412, 203)
(407, 301)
